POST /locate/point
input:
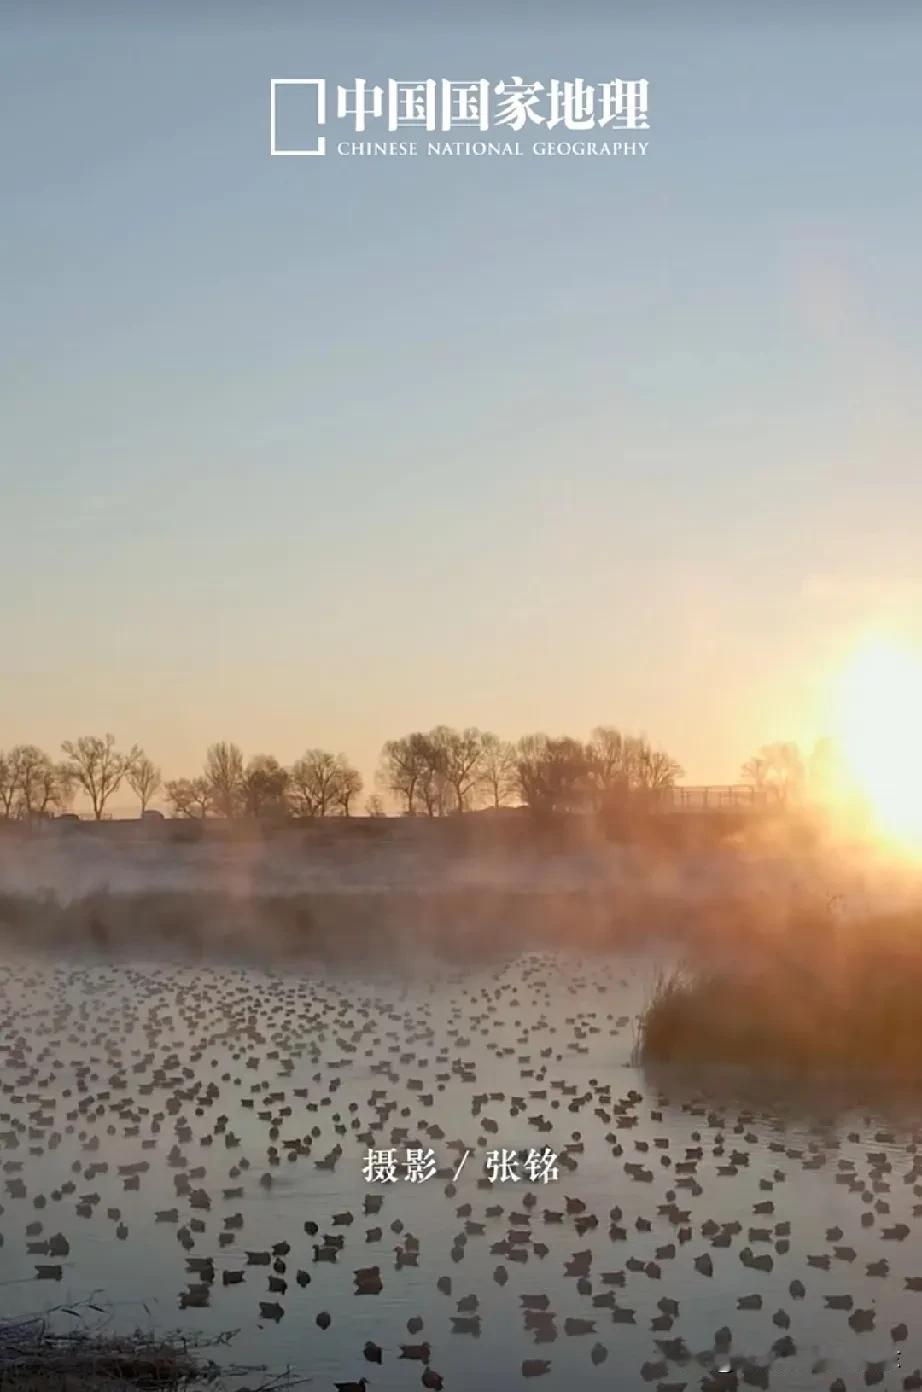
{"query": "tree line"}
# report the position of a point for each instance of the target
(446, 771)
(319, 784)
(33, 785)
(434, 773)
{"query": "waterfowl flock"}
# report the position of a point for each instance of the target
(193, 1140)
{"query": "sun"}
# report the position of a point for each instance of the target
(880, 734)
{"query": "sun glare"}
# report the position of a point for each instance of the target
(880, 733)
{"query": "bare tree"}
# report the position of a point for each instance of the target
(530, 752)
(456, 757)
(403, 763)
(653, 768)
(177, 792)
(201, 796)
(436, 770)
(98, 768)
(54, 788)
(374, 806)
(315, 783)
(143, 780)
(189, 797)
(31, 784)
(496, 775)
(265, 783)
(553, 773)
(350, 785)
(433, 792)
(27, 763)
(611, 766)
(7, 786)
(224, 775)
(777, 769)
(301, 790)
(434, 789)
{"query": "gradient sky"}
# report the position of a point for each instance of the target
(315, 452)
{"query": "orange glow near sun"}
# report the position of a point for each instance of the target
(880, 734)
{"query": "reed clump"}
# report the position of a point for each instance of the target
(816, 996)
(34, 1359)
(37, 1354)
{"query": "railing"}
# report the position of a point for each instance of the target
(712, 797)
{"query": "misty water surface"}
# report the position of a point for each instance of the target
(81, 1048)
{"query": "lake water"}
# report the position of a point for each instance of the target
(104, 1067)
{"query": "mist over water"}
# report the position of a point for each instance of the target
(497, 1017)
(86, 1046)
(405, 888)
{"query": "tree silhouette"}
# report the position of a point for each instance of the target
(97, 767)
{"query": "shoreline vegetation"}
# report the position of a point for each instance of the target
(823, 998)
(40, 1353)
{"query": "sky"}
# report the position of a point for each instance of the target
(314, 452)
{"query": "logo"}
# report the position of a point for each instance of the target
(426, 115)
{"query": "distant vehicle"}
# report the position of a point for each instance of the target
(152, 815)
